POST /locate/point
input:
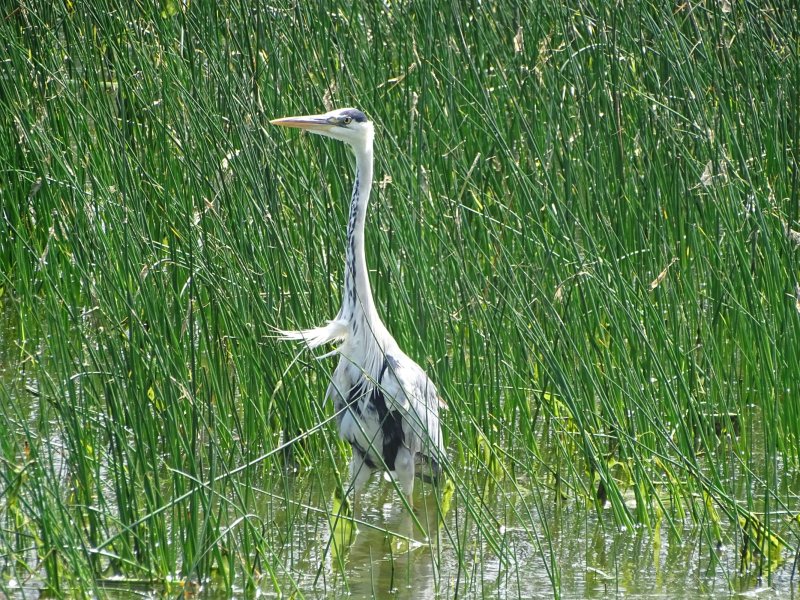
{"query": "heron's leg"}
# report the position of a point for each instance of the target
(359, 475)
(404, 472)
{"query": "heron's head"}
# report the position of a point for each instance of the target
(348, 125)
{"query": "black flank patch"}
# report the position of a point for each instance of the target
(391, 424)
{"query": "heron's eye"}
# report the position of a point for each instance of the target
(347, 120)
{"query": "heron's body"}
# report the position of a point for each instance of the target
(387, 408)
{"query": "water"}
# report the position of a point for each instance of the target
(595, 559)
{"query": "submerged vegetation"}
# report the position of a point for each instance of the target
(585, 228)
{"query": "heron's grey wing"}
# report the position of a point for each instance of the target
(410, 390)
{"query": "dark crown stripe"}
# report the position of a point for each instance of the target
(355, 114)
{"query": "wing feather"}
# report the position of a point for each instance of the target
(407, 386)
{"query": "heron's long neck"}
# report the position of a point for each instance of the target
(358, 308)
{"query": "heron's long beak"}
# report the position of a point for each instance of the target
(310, 123)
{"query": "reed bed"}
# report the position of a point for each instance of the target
(584, 226)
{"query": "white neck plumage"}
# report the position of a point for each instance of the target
(357, 319)
(358, 307)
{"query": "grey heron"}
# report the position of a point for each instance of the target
(387, 408)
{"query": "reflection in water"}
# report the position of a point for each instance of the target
(378, 565)
(392, 554)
